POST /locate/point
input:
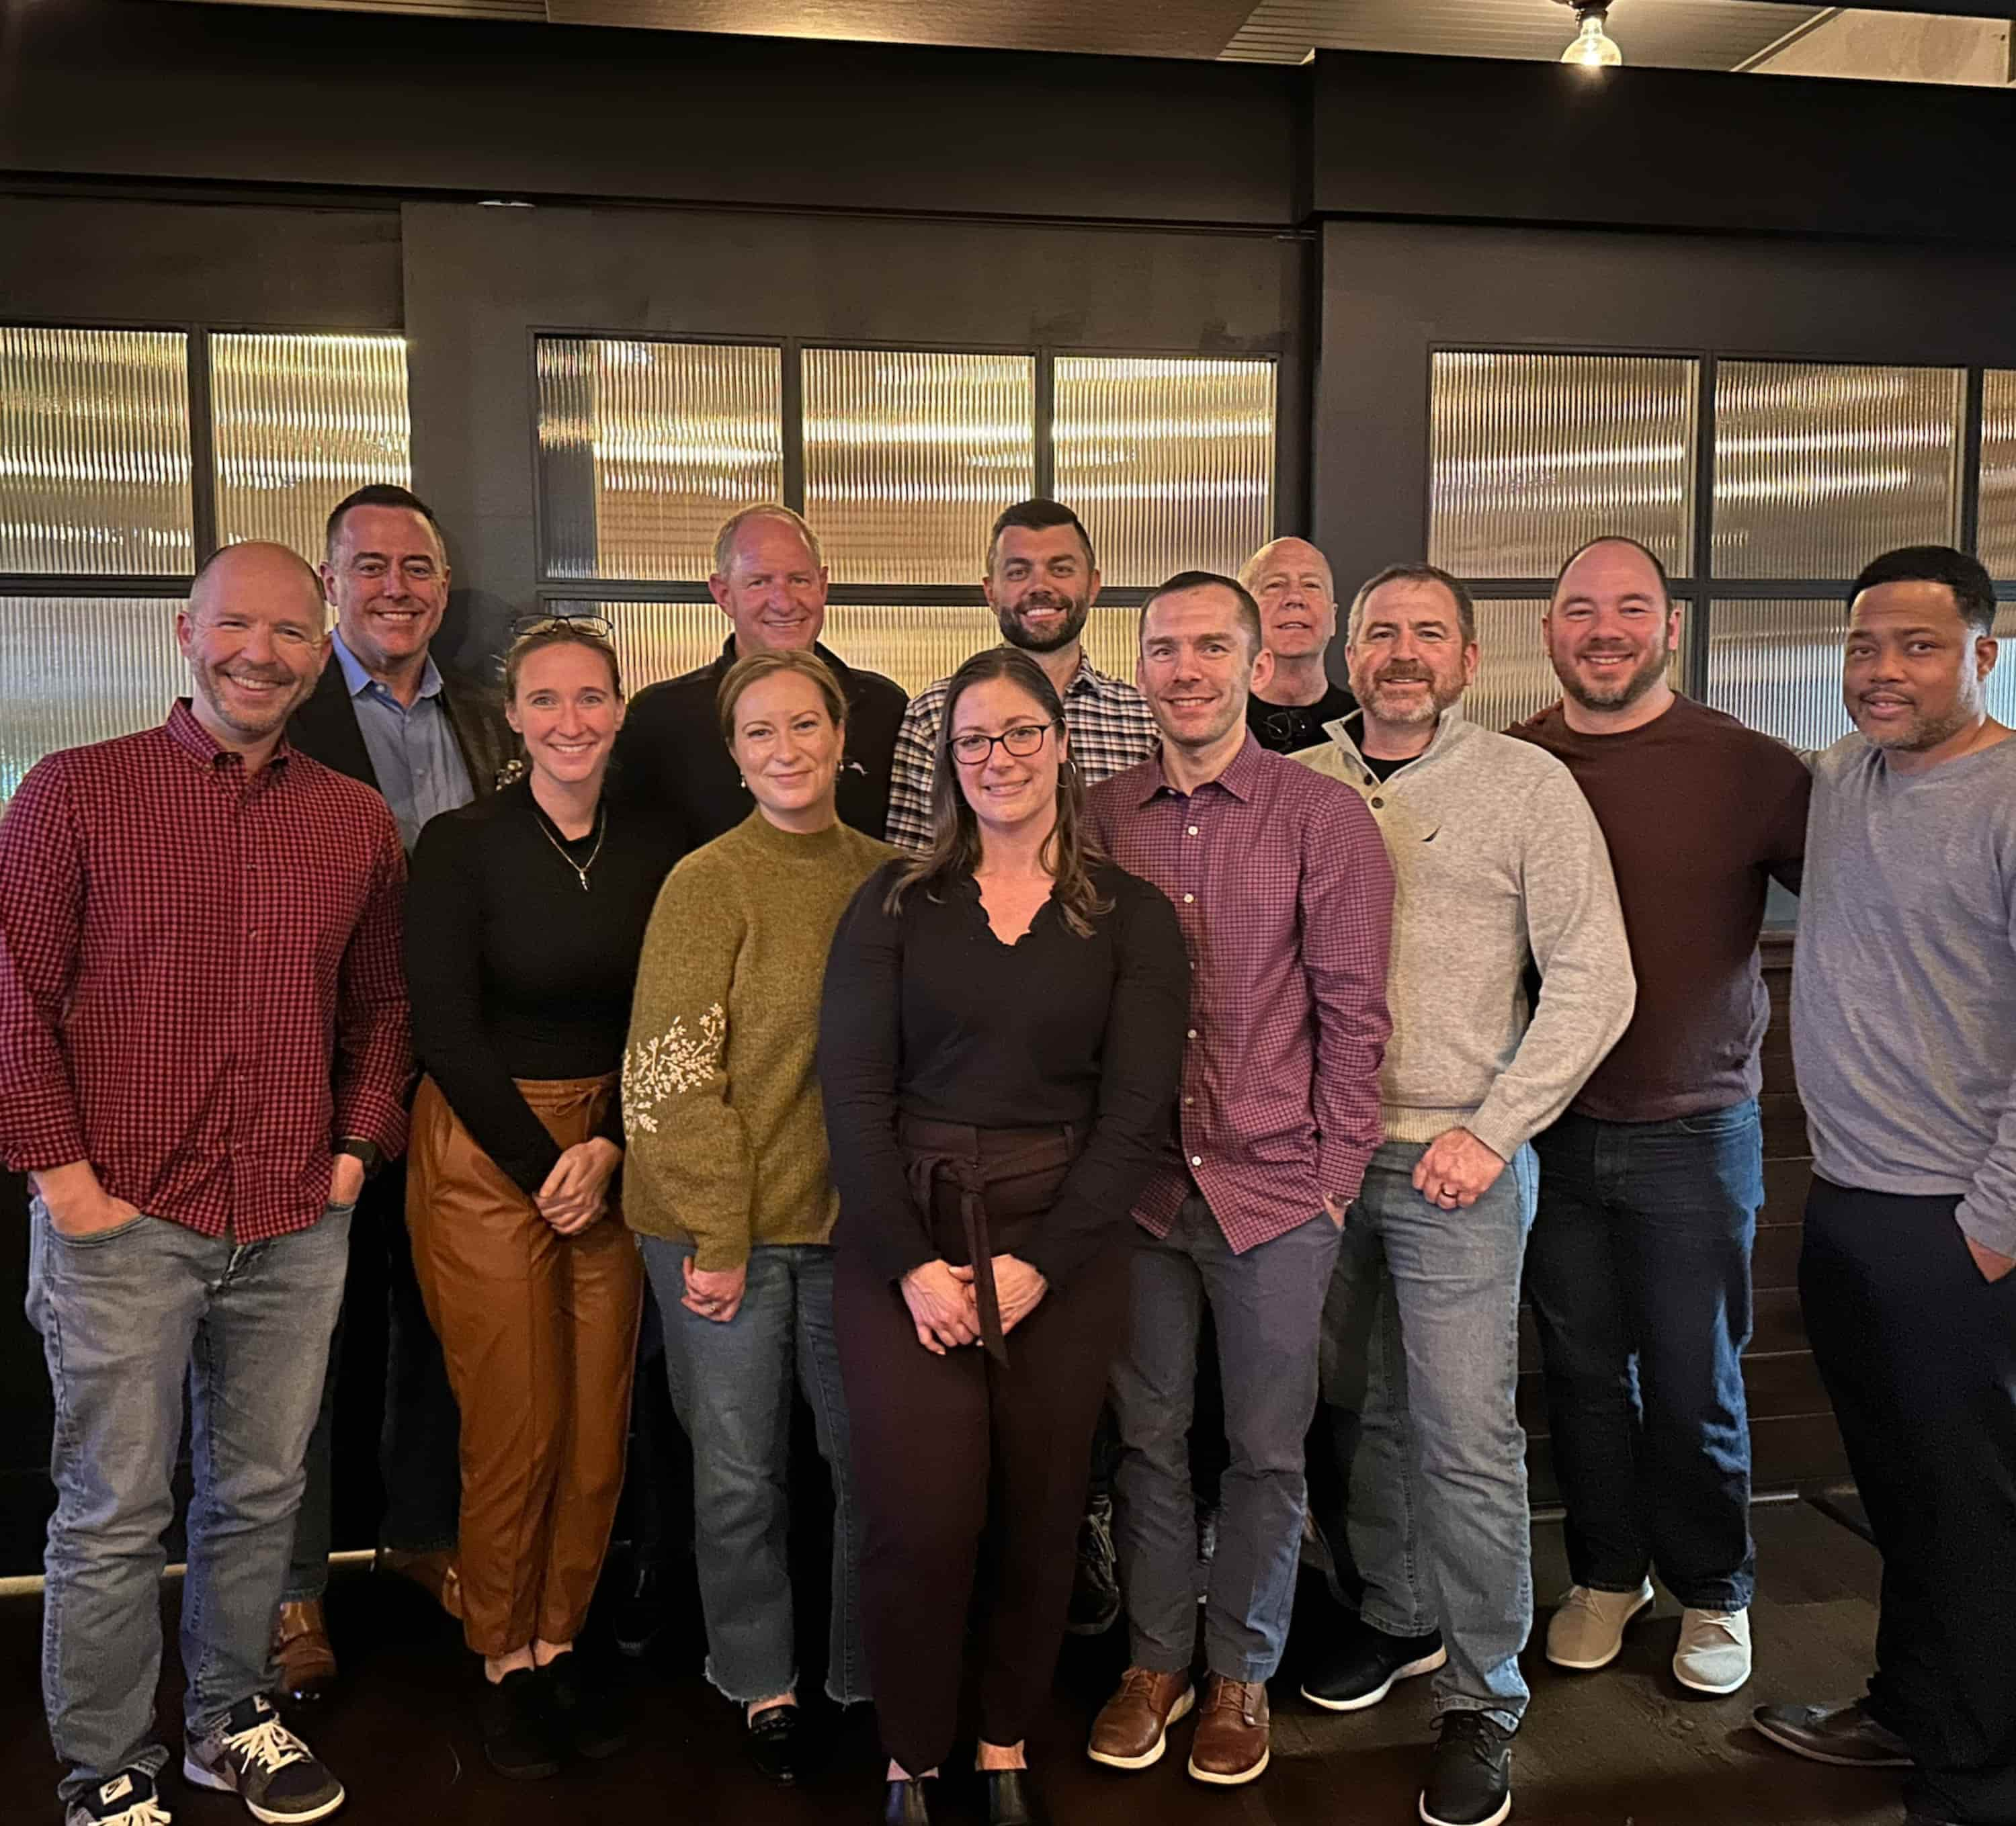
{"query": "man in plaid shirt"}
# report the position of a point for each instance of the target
(203, 1045)
(1281, 881)
(1042, 582)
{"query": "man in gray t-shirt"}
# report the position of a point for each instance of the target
(1904, 1034)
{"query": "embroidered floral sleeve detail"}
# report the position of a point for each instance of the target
(674, 1062)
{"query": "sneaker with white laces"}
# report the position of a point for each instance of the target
(253, 1755)
(128, 1799)
(1587, 1628)
(1713, 1654)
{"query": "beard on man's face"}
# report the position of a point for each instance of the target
(1050, 635)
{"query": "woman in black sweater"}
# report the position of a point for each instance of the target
(524, 923)
(999, 1047)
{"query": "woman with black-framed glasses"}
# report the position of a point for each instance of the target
(999, 1045)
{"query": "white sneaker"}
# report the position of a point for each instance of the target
(1713, 1654)
(1587, 1628)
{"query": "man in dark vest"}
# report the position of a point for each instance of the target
(382, 713)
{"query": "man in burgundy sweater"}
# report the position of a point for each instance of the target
(202, 1041)
(1639, 1267)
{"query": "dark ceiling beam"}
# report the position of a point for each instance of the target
(1968, 9)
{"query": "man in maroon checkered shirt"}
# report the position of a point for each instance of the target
(1285, 894)
(203, 1046)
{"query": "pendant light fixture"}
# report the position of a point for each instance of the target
(1592, 48)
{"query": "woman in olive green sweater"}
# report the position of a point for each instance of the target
(726, 1179)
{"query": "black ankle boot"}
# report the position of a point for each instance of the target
(1012, 1799)
(904, 1804)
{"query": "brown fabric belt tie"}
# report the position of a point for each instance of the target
(971, 1163)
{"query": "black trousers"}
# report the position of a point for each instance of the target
(970, 1473)
(1918, 1353)
(397, 1381)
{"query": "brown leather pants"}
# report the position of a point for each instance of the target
(539, 1331)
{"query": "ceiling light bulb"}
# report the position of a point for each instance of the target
(1593, 49)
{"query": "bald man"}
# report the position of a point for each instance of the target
(188, 917)
(1292, 700)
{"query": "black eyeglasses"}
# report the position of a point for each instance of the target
(974, 749)
(599, 625)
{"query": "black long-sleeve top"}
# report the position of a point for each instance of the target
(928, 1014)
(513, 972)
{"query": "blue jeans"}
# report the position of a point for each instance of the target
(1422, 1328)
(732, 1386)
(1640, 1277)
(1268, 1307)
(129, 1318)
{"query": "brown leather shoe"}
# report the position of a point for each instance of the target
(1132, 1728)
(1231, 1744)
(301, 1649)
(435, 1573)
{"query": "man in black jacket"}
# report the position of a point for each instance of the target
(384, 713)
(770, 580)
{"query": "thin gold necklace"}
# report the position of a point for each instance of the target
(580, 868)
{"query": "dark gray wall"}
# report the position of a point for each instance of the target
(127, 89)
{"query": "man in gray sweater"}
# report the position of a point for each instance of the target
(1904, 1034)
(1499, 866)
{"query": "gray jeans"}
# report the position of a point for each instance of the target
(128, 1318)
(1267, 1305)
(1422, 1327)
(732, 1386)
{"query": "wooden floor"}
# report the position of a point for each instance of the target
(1621, 1748)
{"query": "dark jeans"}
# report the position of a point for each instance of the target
(419, 1437)
(1639, 1271)
(1918, 1353)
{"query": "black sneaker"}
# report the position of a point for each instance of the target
(1470, 1773)
(128, 1799)
(776, 1744)
(1095, 1599)
(253, 1755)
(519, 1739)
(582, 1711)
(1360, 1669)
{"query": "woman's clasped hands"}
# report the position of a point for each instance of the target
(946, 1310)
(575, 1193)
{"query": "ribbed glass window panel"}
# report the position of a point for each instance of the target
(1534, 454)
(645, 448)
(1997, 542)
(1777, 666)
(301, 422)
(1515, 678)
(80, 669)
(910, 456)
(1168, 461)
(915, 646)
(1818, 468)
(95, 453)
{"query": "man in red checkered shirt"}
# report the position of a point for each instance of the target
(203, 1046)
(1281, 884)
